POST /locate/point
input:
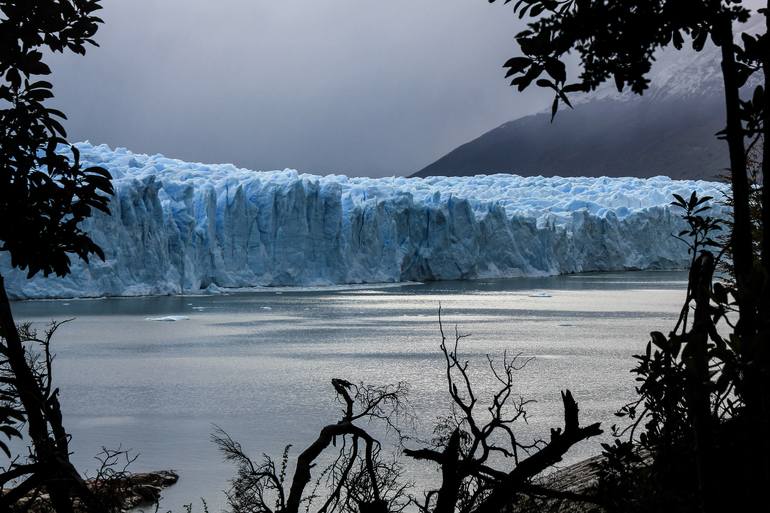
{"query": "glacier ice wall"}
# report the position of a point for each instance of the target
(180, 227)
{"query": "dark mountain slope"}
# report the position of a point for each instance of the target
(668, 131)
(639, 137)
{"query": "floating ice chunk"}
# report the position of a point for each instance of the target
(168, 318)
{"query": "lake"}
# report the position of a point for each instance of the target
(259, 363)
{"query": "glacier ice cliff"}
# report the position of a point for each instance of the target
(180, 227)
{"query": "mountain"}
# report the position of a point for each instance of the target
(669, 131)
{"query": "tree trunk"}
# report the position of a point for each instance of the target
(306, 461)
(751, 292)
(29, 393)
(741, 236)
(450, 478)
(698, 379)
(59, 476)
(505, 490)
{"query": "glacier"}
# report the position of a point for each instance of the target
(180, 227)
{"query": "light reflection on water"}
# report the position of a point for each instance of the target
(259, 364)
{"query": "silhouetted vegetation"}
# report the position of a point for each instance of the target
(703, 414)
(484, 465)
(45, 194)
(689, 409)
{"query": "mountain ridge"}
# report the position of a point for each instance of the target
(670, 130)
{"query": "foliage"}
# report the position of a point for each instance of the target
(657, 465)
(701, 420)
(616, 40)
(661, 440)
(45, 191)
(11, 412)
(39, 361)
(45, 195)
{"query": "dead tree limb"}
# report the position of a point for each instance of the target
(470, 481)
(561, 441)
(357, 479)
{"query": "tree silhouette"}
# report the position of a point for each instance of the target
(45, 194)
(617, 40)
(485, 467)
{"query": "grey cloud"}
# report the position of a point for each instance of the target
(348, 86)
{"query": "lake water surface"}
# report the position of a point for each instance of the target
(259, 364)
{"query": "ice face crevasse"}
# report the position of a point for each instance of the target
(179, 227)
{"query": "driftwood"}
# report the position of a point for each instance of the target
(129, 491)
(571, 489)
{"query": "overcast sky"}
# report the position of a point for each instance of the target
(360, 87)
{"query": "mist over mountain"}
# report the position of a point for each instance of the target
(670, 131)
